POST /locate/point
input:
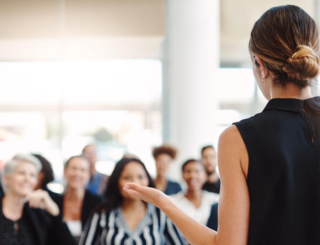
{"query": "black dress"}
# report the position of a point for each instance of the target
(283, 144)
(90, 202)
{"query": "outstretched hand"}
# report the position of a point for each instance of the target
(147, 194)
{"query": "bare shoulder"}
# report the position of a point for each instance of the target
(229, 134)
(232, 145)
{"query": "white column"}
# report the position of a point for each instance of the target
(190, 59)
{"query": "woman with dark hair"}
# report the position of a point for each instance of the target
(46, 175)
(270, 163)
(195, 202)
(124, 219)
(163, 156)
(77, 203)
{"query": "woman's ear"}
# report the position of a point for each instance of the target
(263, 69)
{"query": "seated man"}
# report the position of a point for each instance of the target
(196, 202)
(98, 182)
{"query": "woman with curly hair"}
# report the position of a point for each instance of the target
(163, 156)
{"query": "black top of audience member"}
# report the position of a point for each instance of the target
(48, 230)
(90, 202)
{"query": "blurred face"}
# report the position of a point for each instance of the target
(23, 180)
(132, 172)
(209, 160)
(163, 164)
(77, 173)
(90, 152)
(194, 175)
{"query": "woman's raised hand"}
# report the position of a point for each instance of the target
(147, 194)
(41, 199)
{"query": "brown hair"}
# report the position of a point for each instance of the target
(164, 149)
(286, 39)
(74, 157)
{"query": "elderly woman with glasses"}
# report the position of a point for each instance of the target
(28, 216)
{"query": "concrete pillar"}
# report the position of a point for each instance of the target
(190, 59)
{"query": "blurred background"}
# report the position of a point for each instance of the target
(126, 75)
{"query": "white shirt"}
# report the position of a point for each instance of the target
(75, 227)
(200, 214)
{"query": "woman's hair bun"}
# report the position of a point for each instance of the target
(303, 64)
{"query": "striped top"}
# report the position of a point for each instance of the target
(112, 229)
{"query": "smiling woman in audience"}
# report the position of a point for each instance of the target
(127, 220)
(77, 203)
(196, 202)
(28, 217)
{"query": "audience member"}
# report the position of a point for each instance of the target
(29, 216)
(127, 220)
(45, 176)
(197, 203)
(77, 203)
(163, 155)
(98, 181)
(209, 160)
(213, 219)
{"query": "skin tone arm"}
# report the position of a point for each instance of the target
(234, 201)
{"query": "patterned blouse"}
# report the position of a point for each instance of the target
(112, 229)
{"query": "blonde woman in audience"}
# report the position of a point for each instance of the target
(269, 164)
(28, 216)
(77, 203)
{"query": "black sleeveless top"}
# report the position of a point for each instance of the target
(284, 172)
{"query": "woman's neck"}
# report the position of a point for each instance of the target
(75, 194)
(291, 91)
(12, 206)
(194, 196)
(133, 205)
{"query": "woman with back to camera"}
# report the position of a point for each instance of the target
(124, 219)
(163, 156)
(28, 216)
(77, 203)
(270, 163)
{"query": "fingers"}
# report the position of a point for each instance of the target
(132, 186)
(37, 199)
(150, 195)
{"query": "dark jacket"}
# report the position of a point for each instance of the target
(213, 219)
(49, 230)
(90, 202)
(172, 188)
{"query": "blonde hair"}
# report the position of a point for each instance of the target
(18, 159)
(286, 39)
